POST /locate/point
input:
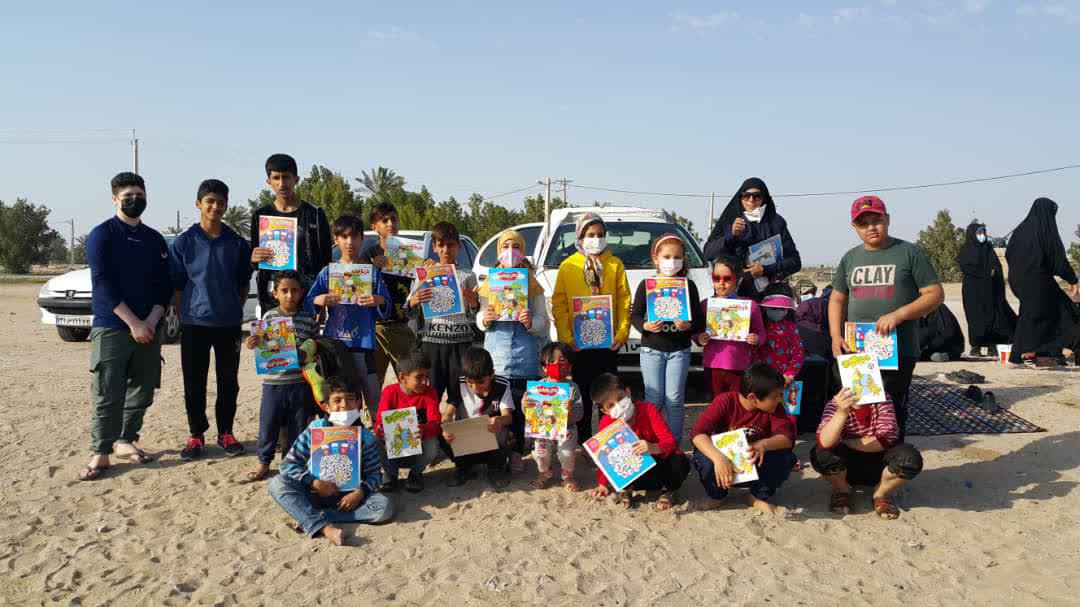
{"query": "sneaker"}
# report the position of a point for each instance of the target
(414, 483)
(193, 450)
(231, 446)
(939, 357)
(975, 353)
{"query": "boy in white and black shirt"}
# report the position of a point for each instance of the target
(481, 393)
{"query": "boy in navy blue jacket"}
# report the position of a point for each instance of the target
(129, 274)
(211, 270)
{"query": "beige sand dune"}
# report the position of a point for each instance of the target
(993, 519)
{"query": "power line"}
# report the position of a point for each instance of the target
(517, 191)
(850, 192)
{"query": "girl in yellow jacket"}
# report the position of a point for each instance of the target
(593, 270)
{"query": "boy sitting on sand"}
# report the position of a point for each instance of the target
(860, 445)
(317, 504)
(769, 430)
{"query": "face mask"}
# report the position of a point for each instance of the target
(133, 207)
(594, 246)
(557, 371)
(806, 297)
(776, 315)
(980, 237)
(623, 409)
(510, 258)
(344, 418)
(755, 215)
(670, 267)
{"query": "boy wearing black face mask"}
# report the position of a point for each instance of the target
(129, 271)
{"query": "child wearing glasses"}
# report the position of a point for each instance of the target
(724, 360)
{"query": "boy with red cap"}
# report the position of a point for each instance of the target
(889, 282)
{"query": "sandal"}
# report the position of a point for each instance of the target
(256, 475)
(625, 500)
(570, 485)
(665, 502)
(840, 503)
(138, 456)
(92, 473)
(886, 509)
(541, 482)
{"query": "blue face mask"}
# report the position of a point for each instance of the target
(980, 236)
(775, 315)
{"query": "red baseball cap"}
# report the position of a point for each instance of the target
(867, 204)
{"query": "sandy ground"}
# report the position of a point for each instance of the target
(992, 520)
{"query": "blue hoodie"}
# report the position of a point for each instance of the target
(214, 275)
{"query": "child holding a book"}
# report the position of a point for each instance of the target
(515, 344)
(593, 270)
(444, 339)
(769, 431)
(287, 401)
(861, 445)
(412, 390)
(353, 324)
(317, 504)
(480, 392)
(555, 357)
(395, 338)
(612, 398)
(783, 347)
(665, 346)
(724, 360)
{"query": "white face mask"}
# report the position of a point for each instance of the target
(980, 237)
(623, 409)
(344, 418)
(776, 315)
(593, 245)
(755, 215)
(806, 297)
(670, 267)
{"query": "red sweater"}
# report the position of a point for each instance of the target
(649, 426)
(727, 413)
(877, 420)
(426, 403)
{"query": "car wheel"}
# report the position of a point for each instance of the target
(170, 330)
(73, 333)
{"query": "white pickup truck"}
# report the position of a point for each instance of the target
(631, 231)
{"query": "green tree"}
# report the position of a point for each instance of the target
(79, 254)
(941, 241)
(329, 190)
(674, 217)
(264, 198)
(1074, 251)
(238, 218)
(25, 235)
(59, 251)
(381, 182)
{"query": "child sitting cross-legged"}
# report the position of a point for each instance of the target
(860, 445)
(555, 357)
(412, 390)
(612, 396)
(769, 431)
(317, 504)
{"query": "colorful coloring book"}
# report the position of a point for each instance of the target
(279, 235)
(508, 291)
(767, 252)
(728, 319)
(860, 374)
(445, 290)
(335, 456)
(594, 326)
(276, 348)
(793, 398)
(548, 409)
(861, 337)
(403, 255)
(667, 299)
(736, 448)
(351, 281)
(401, 430)
(613, 451)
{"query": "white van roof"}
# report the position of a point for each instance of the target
(608, 213)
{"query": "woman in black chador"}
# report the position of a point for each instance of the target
(1035, 255)
(990, 320)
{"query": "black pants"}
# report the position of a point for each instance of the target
(863, 468)
(195, 345)
(495, 460)
(897, 386)
(587, 365)
(668, 474)
(517, 418)
(445, 360)
(774, 469)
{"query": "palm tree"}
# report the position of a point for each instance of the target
(239, 219)
(381, 181)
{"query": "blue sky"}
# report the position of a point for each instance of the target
(489, 97)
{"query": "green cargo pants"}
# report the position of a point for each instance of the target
(125, 375)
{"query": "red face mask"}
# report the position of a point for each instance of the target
(557, 371)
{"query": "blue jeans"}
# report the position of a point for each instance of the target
(664, 374)
(415, 463)
(313, 512)
(772, 472)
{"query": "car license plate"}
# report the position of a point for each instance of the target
(75, 321)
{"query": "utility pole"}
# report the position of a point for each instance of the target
(135, 148)
(712, 210)
(178, 222)
(564, 181)
(547, 204)
(71, 248)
